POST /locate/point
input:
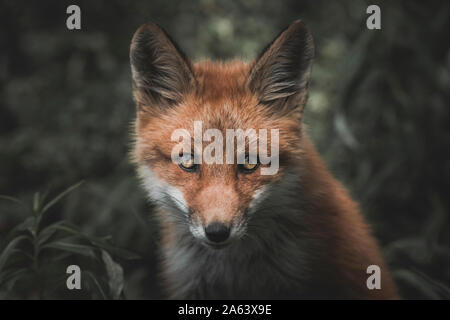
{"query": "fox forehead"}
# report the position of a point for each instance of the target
(219, 102)
(218, 80)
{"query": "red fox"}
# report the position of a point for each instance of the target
(229, 231)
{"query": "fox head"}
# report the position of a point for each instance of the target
(216, 201)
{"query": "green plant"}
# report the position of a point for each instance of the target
(37, 253)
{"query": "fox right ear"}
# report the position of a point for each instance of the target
(161, 73)
(280, 75)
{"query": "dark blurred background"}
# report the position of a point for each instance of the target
(378, 112)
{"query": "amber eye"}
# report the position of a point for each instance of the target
(247, 166)
(187, 163)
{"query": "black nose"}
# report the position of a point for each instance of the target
(217, 232)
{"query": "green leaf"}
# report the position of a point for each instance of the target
(45, 237)
(49, 231)
(80, 249)
(115, 275)
(15, 200)
(26, 225)
(9, 279)
(96, 284)
(21, 227)
(122, 253)
(64, 226)
(12, 199)
(8, 251)
(36, 202)
(60, 196)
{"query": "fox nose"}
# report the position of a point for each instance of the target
(217, 232)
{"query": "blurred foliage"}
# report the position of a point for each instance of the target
(36, 256)
(378, 112)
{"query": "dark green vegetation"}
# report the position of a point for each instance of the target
(378, 112)
(34, 261)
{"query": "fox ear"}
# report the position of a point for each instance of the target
(161, 73)
(279, 76)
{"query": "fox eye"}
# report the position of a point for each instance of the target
(187, 163)
(248, 167)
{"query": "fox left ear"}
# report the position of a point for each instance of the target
(279, 76)
(162, 74)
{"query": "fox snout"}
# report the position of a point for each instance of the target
(215, 234)
(216, 216)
